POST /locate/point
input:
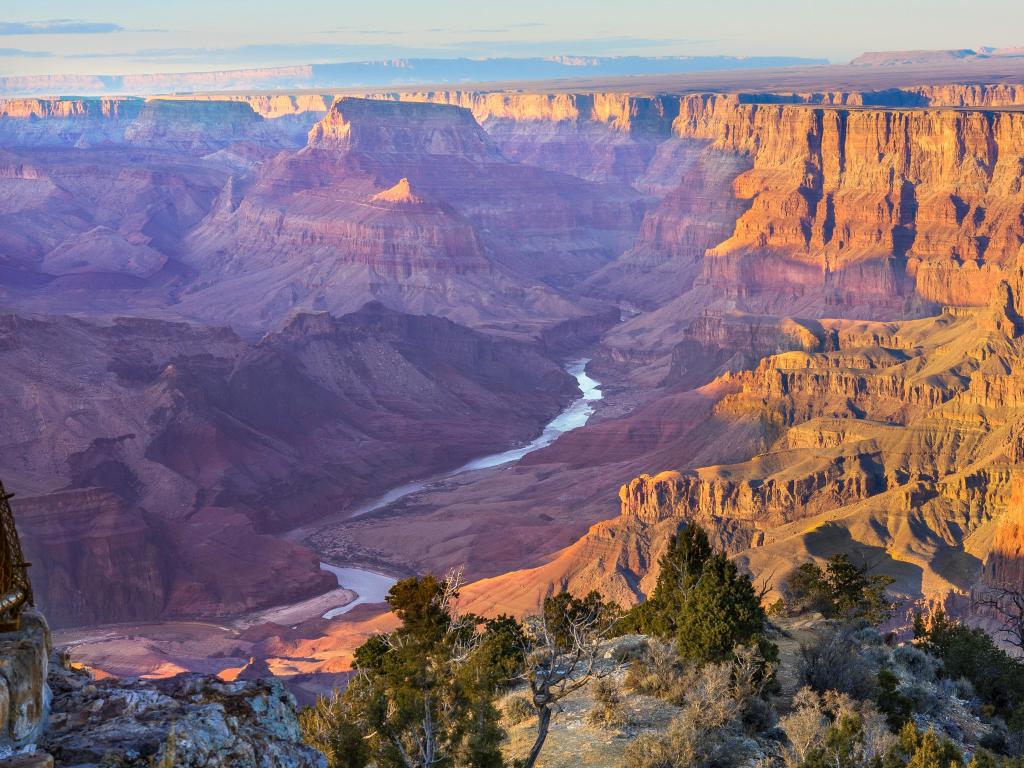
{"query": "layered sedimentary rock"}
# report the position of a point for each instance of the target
(898, 444)
(184, 125)
(473, 241)
(1004, 566)
(717, 342)
(151, 453)
(847, 205)
(599, 136)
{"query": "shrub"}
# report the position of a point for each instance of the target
(920, 665)
(628, 650)
(927, 750)
(833, 661)
(329, 725)
(842, 589)
(924, 697)
(724, 611)
(702, 601)
(680, 568)
(657, 672)
(721, 704)
(805, 727)
(968, 652)
(896, 707)
(652, 751)
(854, 734)
(608, 709)
(517, 709)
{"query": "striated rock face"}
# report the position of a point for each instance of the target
(486, 237)
(24, 694)
(198, 126)
(1004, 565)
(151, 453)
(717, 342)
(896, 442)
(184, 125)
(96, 558)
(846, 206)
(187, 720)
(598, 136)
(390, 128)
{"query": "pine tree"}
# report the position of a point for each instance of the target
(680, 568)
(722, 610)
(423, 695)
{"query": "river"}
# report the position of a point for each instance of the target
(372, 587)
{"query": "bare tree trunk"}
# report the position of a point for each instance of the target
(543, 723)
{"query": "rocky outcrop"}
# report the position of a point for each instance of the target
(598, 136)
(407, 129)
(717, 342)
(199, 126)
(66, 122)
(189, 720)
(24, 693)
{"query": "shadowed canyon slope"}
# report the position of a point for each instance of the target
(803, 306)
(149, 454)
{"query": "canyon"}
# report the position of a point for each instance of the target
(233, 320)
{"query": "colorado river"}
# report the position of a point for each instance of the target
(371, 587)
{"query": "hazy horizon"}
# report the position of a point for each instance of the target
(118, 37)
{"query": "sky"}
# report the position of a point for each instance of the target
(132, 36)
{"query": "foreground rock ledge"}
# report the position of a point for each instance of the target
(24, 696)
(188, 720)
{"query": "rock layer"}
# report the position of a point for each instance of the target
(151, 453)
(899, 445)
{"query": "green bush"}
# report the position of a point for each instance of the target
(896, 707)
(969, 652)
(702, 602)
(840, 590)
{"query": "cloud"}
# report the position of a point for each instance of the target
(18, 52)
(282, 54)
(58, 27)
(352, 31)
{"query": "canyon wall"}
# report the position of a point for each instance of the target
(896, 442)
(184, 125)
(847, 205)
(852, 203)
(147, 454)
(413, 205)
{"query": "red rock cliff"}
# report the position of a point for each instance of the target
(855, 208)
